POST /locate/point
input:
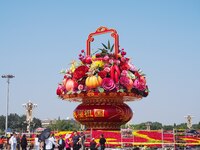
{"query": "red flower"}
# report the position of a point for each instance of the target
(102, 74)
(60, 90)
(125, 66)
(80, 72)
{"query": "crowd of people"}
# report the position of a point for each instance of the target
(74, 141)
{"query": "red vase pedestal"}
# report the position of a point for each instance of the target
(103, 112)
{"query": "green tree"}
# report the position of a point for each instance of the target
(156, 126)
(140, 126)
(168, 127)
(2, 122)
(61, 125)
(182, 126)
(14, 121)
(18, 123)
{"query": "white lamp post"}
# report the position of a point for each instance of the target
(8, 77)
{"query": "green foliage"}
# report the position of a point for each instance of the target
(2, 122)
(157, 126)
(168, 127)
(107, 49)
(18, 123)
(63, 125)
(181, 126)
(196, 126)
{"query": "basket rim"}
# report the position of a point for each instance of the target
(79, 97)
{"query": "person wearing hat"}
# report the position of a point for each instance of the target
(67, 142)
(93, 144)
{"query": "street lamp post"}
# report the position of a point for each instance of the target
(8, 77)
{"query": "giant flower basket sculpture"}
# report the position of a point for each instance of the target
(102, 82)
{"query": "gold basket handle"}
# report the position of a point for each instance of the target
(103, 30)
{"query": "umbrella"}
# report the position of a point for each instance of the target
(45, 134)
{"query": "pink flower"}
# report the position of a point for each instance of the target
(124, 73)
(111, 61)
(80, 87)
(108, 84)
(107, 69)
(123, 59)
(124, 81)
(106, 57)
(139, 84)
(117, 62)
(127, 82)
(132, 67)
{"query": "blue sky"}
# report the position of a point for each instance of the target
(39, 38)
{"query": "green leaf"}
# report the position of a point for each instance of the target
(63, 71)
(108, 44)
(96, 51)
(104, 46)
(112, 48)
(104, 51)
(78, 92)
(69, 92)
(101, 90)
(121, 90)
(131, 75)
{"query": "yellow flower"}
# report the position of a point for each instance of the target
(97, 64)
(93, 57)
(73, 66)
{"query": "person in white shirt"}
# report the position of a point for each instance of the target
(37, 143)
(13, 142)
(49, 143)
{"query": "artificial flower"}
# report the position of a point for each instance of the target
(125, 66)
(107, 69)
(124, 73)
(139, 84)
(108, 84)
(126, 82)
(80, 87)
(97, 64)
(102, 74)
(80, 72)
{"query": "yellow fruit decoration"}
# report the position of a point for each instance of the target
(93, 81)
